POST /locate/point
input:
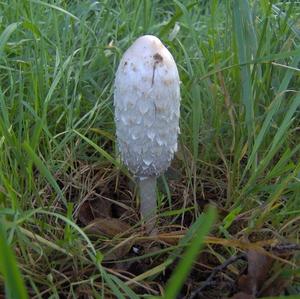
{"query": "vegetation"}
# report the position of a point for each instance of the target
(68, 208)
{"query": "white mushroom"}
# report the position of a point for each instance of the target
(147, 108)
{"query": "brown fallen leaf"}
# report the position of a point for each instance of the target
(259, 266)
(120, 250)
(84, 213)
(91, 209)
(101, 207)
(110, 227)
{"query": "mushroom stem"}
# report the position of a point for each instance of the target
(148, 201)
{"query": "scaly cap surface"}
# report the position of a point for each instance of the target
(147, 107)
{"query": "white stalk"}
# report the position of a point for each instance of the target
(148, 207)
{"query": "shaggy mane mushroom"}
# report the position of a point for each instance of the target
(147, 108)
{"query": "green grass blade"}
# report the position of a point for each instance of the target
(277, 141)
(104, 153)
(201, 228)
(14, 284)
(6, 34)
(44, 171)
(241, 23)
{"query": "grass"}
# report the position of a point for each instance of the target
(239, 143)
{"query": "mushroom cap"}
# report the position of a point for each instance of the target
(147, 107)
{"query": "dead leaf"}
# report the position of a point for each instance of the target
(101, 207)
(259, 266)
(110, 227)
(91, 209)
(85, 214)
(119, 251)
